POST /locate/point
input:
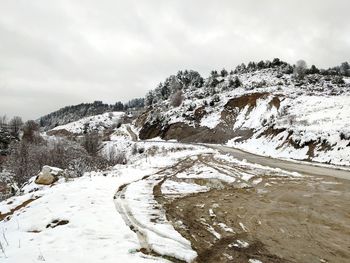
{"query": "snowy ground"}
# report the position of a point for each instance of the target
(92, 222)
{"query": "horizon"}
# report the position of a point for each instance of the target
(128, 100)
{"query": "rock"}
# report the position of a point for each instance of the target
(48, 175)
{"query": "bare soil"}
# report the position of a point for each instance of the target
(282, 220)
(265, 214)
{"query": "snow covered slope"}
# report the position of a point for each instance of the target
(93, 123)
(315, 127)
(270, 113)
(78, 221)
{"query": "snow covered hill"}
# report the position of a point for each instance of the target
(268, 112)
(93, 123)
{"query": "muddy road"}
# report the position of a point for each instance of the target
(311, 169)
(235, 212)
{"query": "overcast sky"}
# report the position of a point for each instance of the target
(55, 53)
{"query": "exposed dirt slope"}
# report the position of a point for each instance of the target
(268, 123)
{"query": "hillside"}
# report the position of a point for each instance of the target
(267, 111)
(73, 113)
(96, 123)
(76, 112)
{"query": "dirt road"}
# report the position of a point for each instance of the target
(236, 212)
(292, 166)
(282, 164)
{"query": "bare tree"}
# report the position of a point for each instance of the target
(92, 143)
(300, 69)
(15, 125)
(26, 159)
(3, 121)
(19, 163)
(177, 98)
(31, 132)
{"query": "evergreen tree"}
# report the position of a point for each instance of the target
(223, 73)
(313, 70)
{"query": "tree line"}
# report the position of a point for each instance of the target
(76, 112)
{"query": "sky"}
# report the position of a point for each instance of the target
(62, 52)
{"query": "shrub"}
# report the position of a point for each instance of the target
(338, 80)
(141, 150)
(216, 98)
(235, 83)
(111, 158)
(27, 159)
(134, 149)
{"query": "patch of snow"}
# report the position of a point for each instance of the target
(211, 120)
(243, 227)
(239, 243)
(170, 187)
(226, 228)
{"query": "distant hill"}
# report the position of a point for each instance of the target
(76, 112)
(96, 123)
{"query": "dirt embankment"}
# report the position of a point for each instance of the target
(183, 132)
(227, 129)
(220, 134)
(245, 100)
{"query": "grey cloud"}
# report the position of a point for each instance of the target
(60, 52)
